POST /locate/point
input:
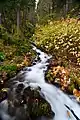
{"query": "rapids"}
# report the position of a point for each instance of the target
(61, 103)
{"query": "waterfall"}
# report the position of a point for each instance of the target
(61, 104)
(37, 1)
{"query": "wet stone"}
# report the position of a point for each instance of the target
(13, 81)
(21, 78)
(38, 53)
(29, 105)
(39, 59)
(27, 69)
(19, 88)
(34, 63)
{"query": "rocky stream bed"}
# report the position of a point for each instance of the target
(29, 97)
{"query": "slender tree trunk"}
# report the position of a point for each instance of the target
(52, 6)
(0, 18)
(49, 8)
(18, 19)
(64, 9)
(67, 6)
(24, 15)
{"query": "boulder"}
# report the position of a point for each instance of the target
(27, 104)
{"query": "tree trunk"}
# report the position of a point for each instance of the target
(52, 6)
(18, 19)
(24, 15)
(0, 18)
(64, 9)
(67, 6)
(49, 8)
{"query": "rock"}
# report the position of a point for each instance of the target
(3, 79)
(3, 95)
(27, 104)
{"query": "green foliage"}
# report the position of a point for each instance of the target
(75, 79)
(60, 38)
(20, 40)
(74, 12)
(2, 3)
(4, 34)
(19, 3)
(49, 17)
(28, 29)
(2, 56)
(9, 10)
(8, 68)
(15, 45)
(59, 7)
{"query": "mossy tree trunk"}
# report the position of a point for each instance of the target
(18, 19)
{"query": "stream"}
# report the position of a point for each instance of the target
(61, 104)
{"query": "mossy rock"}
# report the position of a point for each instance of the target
(36, 106)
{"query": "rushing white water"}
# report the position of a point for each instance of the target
(35, 77)
(4, 111)
(53, 95)
(37, 1)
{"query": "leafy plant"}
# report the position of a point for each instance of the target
(60, 38)
(8, 68)
(2, 56)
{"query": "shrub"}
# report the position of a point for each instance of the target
(60, 38)
(8, 68)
